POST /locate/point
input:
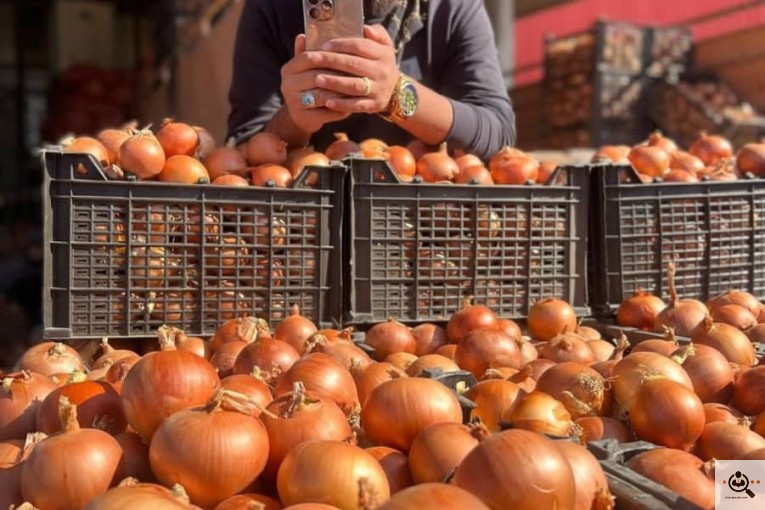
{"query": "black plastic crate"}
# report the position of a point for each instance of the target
(122, 258)
(416, 250)
(714, 230)
(632, 490)
(669, 50)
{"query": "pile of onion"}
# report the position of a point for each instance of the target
(640, 311)
(389, 338)
(469, 318)
(437, 166)
(680, 472)
(681, 315)
(549, 318)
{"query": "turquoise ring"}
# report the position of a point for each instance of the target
(308, 100)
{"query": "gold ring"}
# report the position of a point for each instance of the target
(367, 86)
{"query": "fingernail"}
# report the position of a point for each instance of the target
(327, 46)
(320, 80)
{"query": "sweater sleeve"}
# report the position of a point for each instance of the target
(255, 94)
(484, 121)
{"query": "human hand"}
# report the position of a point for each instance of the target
(298, 78)
(368, 72)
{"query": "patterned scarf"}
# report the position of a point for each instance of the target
(406, 19)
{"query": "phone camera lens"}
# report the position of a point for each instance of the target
(326, 6)
(314, 13)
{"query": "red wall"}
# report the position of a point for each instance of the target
(579, 15)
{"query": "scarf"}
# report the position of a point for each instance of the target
(403, 23)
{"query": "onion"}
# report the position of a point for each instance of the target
(396, 467)
(431, 361)
(681, 315)
(606, 368)
(21, 395)
(630, 371)
(230, 180)
(549, 318)
(749, 391)
(567, 347)
(589, 479)
(184, 170)
(528, 352)
(541, 413)
(397, 410)
(373, 148)
(736, 316)
(686, 162)
(447, 351)
(295, 330)
(50, 358)
(735, 297)
(370, 377)
(680, 472)
(272, 357)
(469, 318)
(244, 329)
(401, 159)
(438, 449)
(119, 370)
(657, 139)
(212, 451)
(112, 140)
(437, 166)
(436, 495)
(510, 328)
(478, 174)
(731, 342)
(255, 389)
(323, 375)
(720, 412)
(341, 147)
(710, 149)
(142, 155)
(54, 477)
(132, 494)
(99, 406)
(185, 379)
(194, 345)
(751, 159)
(546, 170)
(493, 398)
(225, 161)
(709, 371)
(580, 388)
(12, 456)
(755, 455)
(721, 440)
(525, 377)
(311, 506)
(297, 417)
(602, 350)
(331, 472)
(135, 458)
(757, 333)
(401, 360)
(612, 153)
(88, 145)
(428, 339)
(664, 347)
(482, 349)
(265, 147)
(346, 353)
(109, 353)
(648, 160)
(511, 166)
(666, 412)
(224, 359)
(679, 176)
(639, 311)
(279, 175)
(248, 502)
(518, 469)
(595, 428)
(419, 148)
(177, 138)
(309, 159)
(389, 338)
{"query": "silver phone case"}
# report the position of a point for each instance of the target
(345, 20)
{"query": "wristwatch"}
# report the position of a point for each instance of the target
(403, 102)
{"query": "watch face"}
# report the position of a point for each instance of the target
(408, 99)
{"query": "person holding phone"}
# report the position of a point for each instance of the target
(425, 69)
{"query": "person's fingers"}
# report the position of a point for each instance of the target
(378, 34)
(320, 97)
(300, 44)
(364, 48)
(346, 85)
(339, 62)
(353, 105)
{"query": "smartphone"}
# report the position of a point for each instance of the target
(332, 19)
